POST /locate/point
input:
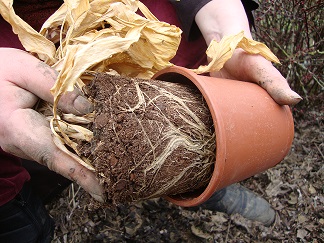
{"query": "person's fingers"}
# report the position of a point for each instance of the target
(74, 102)
(29, 73)
(65, 165)
(28, 135)
(255, 68)
(276, 85)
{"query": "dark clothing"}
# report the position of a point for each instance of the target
(36, 12)
(187, 10)
(46, 184)
(25, 219)
(8, 38)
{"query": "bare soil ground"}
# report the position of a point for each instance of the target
(294, 188)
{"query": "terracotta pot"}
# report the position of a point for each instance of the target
(253, 132)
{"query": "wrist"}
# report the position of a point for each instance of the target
(222, 18)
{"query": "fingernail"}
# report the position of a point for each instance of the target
(99, 198)
(296, 98)
(83, 105)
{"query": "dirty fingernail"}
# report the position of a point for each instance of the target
(99, 198)
(295, 98)
(83, 105)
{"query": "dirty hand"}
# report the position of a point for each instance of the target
(26, 133)
(220, 18)
(255, 68)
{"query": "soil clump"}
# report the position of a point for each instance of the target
(151, 138)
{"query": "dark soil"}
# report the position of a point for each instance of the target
(294, 188)
(151, 138)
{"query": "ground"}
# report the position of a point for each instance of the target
(294, 188)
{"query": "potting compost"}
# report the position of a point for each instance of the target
(150, 138)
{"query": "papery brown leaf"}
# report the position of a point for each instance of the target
(220, 52)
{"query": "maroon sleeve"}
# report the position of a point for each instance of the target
(34, 12)
(190, 54)
(12, 177)
(7, 37)
(12, 174)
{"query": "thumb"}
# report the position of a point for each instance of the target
(276, 85)
(255, 68)
(33, 75)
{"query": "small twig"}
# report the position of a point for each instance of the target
(227, 233)
(319, 151)
(112, 229)
(72, 201)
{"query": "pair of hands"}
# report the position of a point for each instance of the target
(26, 133)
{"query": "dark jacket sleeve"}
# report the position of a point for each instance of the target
(187, 10)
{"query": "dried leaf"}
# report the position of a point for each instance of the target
(311, 189)
(293, 199)
(75, 131)
(77, 8)
(198, 232)
(58, 142)
(219, 218)
(302, 233)
(255, 47)
(86, 119)
(302, 219)
(78, 59)
(220, 52)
